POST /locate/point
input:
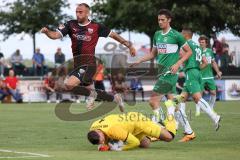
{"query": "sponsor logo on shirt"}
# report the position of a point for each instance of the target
(162, 48)
(82, 37)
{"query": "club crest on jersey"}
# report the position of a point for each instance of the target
(165, 39)
(61, 26)
(90, 30)
(162, 48)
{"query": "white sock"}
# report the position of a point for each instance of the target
(162, 115)
(182, 119)
(212, 101)
(207, 109)
(197, 108)
(156, 115)
(170, 110)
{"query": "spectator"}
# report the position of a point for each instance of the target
(217, 48)
(99, 76)
(120, 85)
(12, 86)
(17, 63)
(3, 90)
(135, 86)
(59, 62)
(38, 63)
(1, 64)
(225, 59)
(49, 85)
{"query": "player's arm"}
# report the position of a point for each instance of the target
(146, 57)
(121, 40)
(130, 141)
(51, 34)
(204, 62)
(187, 53)
(216, 68)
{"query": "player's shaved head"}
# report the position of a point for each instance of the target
(93, 137)
(187, 33)
(82, 13)
(85, 5)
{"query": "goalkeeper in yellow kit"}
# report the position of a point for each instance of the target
(133, 129)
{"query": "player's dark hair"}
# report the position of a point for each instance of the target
(203, 37)
(165, 12)
(93, 137)
(85, 5)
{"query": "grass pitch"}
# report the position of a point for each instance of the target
(32, 131)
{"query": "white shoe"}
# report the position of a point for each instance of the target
(48, 101)
(217, 122)
(91, 99)
(119, 101)
(57, 101)
(78, 101)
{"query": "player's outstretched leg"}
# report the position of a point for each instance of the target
(207, 109)
(181, 117)
(212, 99)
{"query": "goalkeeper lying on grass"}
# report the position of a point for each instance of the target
(119, 132)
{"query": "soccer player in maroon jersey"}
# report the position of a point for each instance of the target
(84, 35)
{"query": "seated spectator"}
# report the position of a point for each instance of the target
(17, 63)
(1, 64)
(135, 86)
(38, 63)
(12, 86)
(59, 62)
(3, 90)
(120, 85)
(49, 85)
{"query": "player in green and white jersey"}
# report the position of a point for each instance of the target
(207, 72)
(166, 45)
(193, 86)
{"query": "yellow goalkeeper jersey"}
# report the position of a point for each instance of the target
(130, 128)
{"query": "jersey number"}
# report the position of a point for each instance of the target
(198, 54)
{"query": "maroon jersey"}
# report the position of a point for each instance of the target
(84, 40)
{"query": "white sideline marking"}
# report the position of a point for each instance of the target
(31, 155)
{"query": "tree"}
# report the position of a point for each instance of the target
(29, 16)
(204, 16)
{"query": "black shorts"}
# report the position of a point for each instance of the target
(84, 74)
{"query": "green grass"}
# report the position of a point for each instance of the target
(35, 128)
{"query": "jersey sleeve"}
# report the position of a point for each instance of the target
(212, 55)
(64, 29)
(117, 133)
(103, 31)
(180, 40)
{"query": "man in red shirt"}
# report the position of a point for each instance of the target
(49, 85)
(84, 35)
(12, 84)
